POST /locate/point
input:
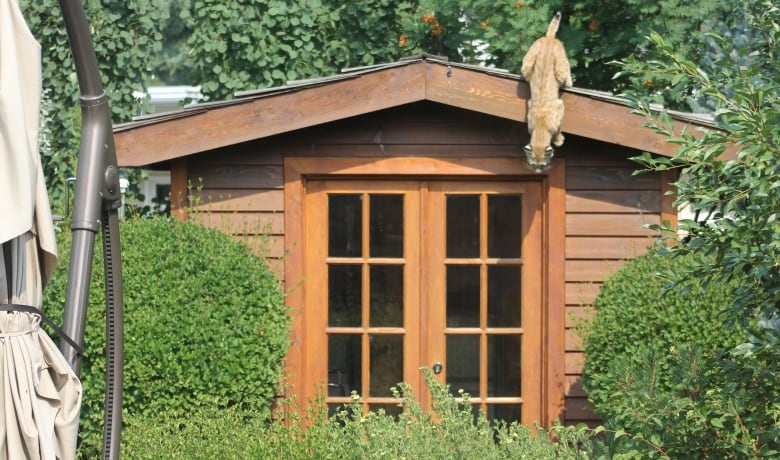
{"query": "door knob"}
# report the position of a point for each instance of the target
(437, 367)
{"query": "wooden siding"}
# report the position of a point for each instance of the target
(241, 190)
(607, 208)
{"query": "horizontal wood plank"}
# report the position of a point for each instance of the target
(573, 388)
(591, 270)
(617, 247)
(266, 246)
(470, 129)
(578, 316)
(237, 200)
(581, 151)
(573, 340)
(579, 409)
(276, 266)
(580, 294)
(609, 178)
(236, 176)
(234, 223)
(610, 224)
(250, 153)
(573, 362)
(511, 151)
(613, 201)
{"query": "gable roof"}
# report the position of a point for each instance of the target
(257, 114)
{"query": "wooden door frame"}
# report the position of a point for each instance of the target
(298, 169)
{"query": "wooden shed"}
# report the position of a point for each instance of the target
(396, 203)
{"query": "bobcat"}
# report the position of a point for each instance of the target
(546, 68)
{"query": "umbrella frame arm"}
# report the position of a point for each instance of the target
(96, 203)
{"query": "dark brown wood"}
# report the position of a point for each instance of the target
(574, 387)
(668, 210)
(237, 176)
(179, 188)
(256, 162)
(609, 178)
(578, 409)
(475, 90)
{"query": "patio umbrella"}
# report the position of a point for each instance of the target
(40, 396)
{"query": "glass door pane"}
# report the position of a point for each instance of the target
(479, 323)
(370, 287)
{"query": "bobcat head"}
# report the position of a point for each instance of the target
(537, 162)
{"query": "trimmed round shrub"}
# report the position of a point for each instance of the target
(205, 324)
(640, 328)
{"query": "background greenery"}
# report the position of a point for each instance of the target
(233, 45)
(725, 403)
(205, 325)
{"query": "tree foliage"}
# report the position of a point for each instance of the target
(241, 44)
(126, 34)
(729, 179)
(236, 45)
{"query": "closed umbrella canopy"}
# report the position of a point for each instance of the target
(40, 396)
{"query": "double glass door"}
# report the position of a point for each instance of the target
(444, 274)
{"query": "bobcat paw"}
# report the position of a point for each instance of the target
(558, 140)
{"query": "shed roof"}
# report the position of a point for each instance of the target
(300, 104)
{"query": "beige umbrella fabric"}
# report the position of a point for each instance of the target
(40, 396)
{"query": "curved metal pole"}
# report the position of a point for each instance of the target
(97, 199)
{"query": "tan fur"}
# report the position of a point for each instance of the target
(546, 68)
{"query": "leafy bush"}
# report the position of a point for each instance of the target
(205, 324)
(639, 323)
(415, 434)
(654, 364)
(707, 414)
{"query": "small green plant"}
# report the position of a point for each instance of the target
(449, 432)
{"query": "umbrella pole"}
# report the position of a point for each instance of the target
(96, 201)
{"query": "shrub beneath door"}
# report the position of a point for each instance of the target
(229, 434)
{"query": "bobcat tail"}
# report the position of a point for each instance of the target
(552, 29)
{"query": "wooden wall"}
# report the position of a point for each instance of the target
(606, 206)
(606, 209)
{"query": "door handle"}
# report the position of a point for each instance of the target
(437, 367)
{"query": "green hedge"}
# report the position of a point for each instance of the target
(205, 325)
(640, 325)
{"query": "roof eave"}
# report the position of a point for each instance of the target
(299, 105)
